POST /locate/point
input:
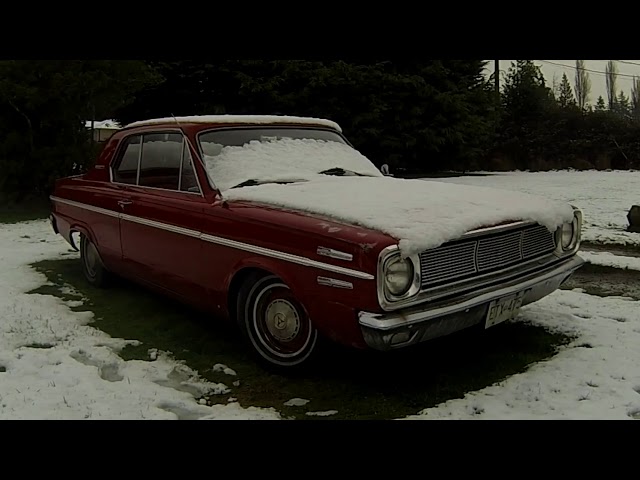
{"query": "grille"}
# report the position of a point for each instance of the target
(483, 255)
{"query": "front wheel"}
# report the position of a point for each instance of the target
(92, 266)
(275, 323)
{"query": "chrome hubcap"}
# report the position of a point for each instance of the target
(282, 320)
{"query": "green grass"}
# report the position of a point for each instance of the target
(360, 385)
(21, 212)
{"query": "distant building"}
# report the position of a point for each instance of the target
(103, 130)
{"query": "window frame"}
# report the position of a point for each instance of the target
(119, 155)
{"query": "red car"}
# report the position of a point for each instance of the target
(280, 225)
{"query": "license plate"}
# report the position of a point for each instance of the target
(503, 309)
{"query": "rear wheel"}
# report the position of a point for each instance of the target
(275, 324)
(92, 266)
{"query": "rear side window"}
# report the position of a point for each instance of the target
(158, 160)
(127, 171)
(161, 159)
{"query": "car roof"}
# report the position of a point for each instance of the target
(239, 119)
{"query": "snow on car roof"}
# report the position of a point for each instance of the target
(248, 119)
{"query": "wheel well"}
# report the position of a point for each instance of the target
(236, 283)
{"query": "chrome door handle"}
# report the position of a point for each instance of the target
(124, 203)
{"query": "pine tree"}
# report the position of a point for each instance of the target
(622, 106)
(600, 105)
(565, 94)
(525, 93)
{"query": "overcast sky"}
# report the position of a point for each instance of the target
(598, 84)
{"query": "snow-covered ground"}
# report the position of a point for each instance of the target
(610, 260)
(55, 365)
(604, 197)
(597, 375)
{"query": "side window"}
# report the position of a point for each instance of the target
(188, 180)
(127, 170)
(161, 159)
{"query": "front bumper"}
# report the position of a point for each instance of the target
(386, 331)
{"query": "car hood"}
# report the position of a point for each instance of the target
(419, 214)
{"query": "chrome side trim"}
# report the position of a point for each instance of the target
(333, 282)
(161, 226)
(267, 252)
(330, 252)
(91, 208)
(288, 257)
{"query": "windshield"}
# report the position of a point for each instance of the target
(252, 156)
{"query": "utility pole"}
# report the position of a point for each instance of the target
(497, 79)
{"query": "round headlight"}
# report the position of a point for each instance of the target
(398, 276)
(567, 235)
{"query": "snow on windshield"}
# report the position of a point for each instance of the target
(284, 159)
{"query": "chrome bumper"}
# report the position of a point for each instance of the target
(385, 331)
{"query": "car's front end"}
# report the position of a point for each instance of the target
(484, 277)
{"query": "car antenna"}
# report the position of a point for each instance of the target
(224, 202)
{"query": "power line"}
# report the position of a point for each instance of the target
(628, 63)
(588, 70)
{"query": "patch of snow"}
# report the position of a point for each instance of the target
(285, 159)
(104, 124)
(296, 402)
(610, 260)
(55, 365)
(596, 376)
(322, 414)
(605, 198)
(241, 119)
(419, 214)
(220, 367)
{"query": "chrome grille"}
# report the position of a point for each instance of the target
(483, 255)
(444, 263)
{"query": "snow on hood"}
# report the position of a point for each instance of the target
(281, 160)
(419, 214)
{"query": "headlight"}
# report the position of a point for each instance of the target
(398, 276)
(569, 233)
(566, 236)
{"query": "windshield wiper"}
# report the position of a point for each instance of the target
(253, 182)
(341, 172)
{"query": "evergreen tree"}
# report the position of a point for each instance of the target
(43, 109)
(600, 105)
(525, 94)
(622, 106)
(417, 114)
(565, 94)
